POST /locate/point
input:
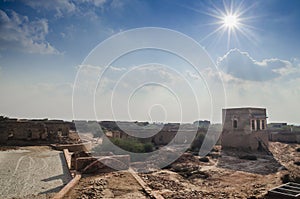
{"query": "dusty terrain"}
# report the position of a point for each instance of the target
(222, 175)
(31, 170)
(110, 185)
(227, 176)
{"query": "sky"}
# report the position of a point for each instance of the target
(53, 60)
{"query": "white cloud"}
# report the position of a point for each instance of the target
(193, 75)
(97, 3)
(271, 83)
(241, 65)
(82, 8)
(59, 6)
(100, 3)
(17, 32)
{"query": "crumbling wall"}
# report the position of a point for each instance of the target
(3, 136)
(238, 131)
(101, 163)
(15, 131)
(288, 137)
(253, 141)
(163, 137)
(85, 146)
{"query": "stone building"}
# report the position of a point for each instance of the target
(162, 134)
(284, 136)
(22, 130)
(245, 129)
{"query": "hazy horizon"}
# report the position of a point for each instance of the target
(253, 47)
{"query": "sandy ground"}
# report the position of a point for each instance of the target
(31, 170)
(227, 176)
(119, 185)
(222, 177)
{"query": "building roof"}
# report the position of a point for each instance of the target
(244, 108)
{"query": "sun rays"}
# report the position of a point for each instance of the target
(231, 21)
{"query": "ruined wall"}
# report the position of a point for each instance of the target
(86, 146)
(243, 117)
(56, 129)
(24, 130)
(166, 134)
(163, 137)
(100, 163)
(288, 137)
(3, 135)
(238, 131)
(12, 131)
(240, 140)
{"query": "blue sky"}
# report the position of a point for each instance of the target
(42, 43)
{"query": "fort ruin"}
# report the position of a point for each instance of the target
(23, 131)
(245, 128)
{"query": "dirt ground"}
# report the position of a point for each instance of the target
(120, 185)
(224, 176)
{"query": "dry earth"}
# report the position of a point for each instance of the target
(226, 176)
(120, 185)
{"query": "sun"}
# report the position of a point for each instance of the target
(230, 21)
(233, 21)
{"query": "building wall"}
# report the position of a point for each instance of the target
(298, 138)
(243, 117)
(36, 130)
(163, 137)
(288, 137)
(238, 131)
(3, 135)
(243, 141)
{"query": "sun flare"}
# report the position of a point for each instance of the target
(230, 21)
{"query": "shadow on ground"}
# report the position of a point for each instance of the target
(257, 163)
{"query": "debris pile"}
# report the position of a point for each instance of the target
(184, 194)
(188, 167)
(160, 183)
(94, 189)
(189, 171)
